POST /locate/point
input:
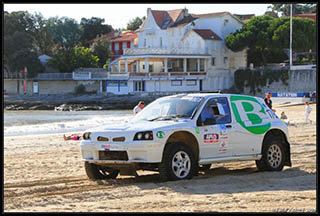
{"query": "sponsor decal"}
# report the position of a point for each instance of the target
(197, 130)
(106, 147)
(160, 134)
(223, 146)
(250, 114)
(211, 138)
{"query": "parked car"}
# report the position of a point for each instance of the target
(178, 135)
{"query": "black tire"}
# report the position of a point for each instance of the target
(273, 155)
(172, 168)
(205, 167)
(95, 171)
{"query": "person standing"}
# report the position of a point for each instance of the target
(138, 108)
(268, 101)
(308, 111)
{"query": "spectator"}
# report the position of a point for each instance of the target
(283, 116)
(71, 137)
(308, 111)
(138, 108)
(268, 101)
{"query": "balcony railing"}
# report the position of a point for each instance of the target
(88, 75)
(169, 74)
(165, 51)
(54, 76)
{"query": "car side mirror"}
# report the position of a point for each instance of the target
(222, 113)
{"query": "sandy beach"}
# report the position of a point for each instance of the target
(44, 173)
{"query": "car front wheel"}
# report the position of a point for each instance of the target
(273, 155)
(178, 163)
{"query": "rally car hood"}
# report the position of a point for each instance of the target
(141, 126)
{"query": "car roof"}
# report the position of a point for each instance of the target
(206, 95)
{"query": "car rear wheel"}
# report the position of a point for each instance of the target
(178, 163)
(273, 155)
(95, 171)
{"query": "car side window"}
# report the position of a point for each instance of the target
(210, 114)
(227, 117)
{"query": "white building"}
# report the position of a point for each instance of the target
(178, 51)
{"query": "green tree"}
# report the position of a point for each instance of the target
(18, 49)
(135, 23)
(253, 34)
(92, 28)
(65, 31)
(304, 35)
(101, 49)
(43, 40)
(67, 60)
(284, 9)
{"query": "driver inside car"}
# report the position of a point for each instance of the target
(207, 113)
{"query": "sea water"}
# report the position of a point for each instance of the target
(33, 122)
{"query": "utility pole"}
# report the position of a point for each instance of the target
(290, 36)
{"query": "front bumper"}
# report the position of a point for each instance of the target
(124, 153)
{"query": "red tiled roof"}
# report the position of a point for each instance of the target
(310, 16)
(125, 37)
(207, 34)
(161, 16)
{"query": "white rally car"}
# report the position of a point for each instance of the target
(177, 135)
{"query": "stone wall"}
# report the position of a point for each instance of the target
(299, 81)
(48, 87)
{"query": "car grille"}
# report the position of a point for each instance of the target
(113, 155)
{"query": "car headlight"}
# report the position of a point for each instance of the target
(145, 135)
(86, 135)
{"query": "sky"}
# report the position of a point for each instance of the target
(118, 15)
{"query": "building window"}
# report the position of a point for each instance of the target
(116, 46)
(213, 61)
(150, 68)
(225, 60)
(225, 22)
(160, 42)
(139, 86)
(191, 82)
(144, 42)
(176, 82)
(123, 83)
(112, 83)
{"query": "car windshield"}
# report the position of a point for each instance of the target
(169, 108)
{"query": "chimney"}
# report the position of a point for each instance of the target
(148, 10)
(185, 12)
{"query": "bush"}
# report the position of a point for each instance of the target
(80, 89)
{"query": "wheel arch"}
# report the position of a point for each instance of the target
(185, 137)
(280, 134)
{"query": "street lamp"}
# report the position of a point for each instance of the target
(290, 36)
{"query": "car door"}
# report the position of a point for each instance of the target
(250, 122)
(215, 129)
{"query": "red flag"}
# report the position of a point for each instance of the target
(24, 77)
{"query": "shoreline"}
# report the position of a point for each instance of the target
(74, 102)
(69, 102)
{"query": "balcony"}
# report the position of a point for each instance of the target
(164, 51)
